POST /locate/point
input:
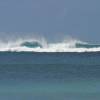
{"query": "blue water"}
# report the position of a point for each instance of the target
(49, 76)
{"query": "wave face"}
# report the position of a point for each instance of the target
(31, 44)
(41, 45)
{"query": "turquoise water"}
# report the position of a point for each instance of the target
(49, 76)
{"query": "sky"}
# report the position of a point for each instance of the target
(52, 18)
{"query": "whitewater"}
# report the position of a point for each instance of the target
(42, 45)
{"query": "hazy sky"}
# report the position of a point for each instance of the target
(78, 18)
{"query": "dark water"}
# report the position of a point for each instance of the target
(49, 76)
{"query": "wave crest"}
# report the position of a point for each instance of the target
(41, 45)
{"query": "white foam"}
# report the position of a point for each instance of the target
(64, 46)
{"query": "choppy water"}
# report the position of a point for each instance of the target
(49, 76)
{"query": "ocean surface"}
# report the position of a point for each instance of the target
(35, 69)
(49, 75)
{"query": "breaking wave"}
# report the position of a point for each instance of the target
(41, 45)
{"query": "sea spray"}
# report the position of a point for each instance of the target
(41, 44)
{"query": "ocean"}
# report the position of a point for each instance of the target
(49, 75)
(34, 69)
